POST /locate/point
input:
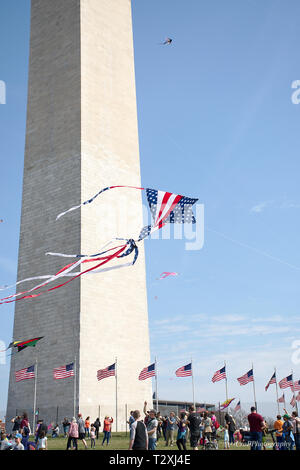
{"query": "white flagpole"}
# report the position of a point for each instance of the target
(116, 376)
(193, 385)
(75, 375)
(277, 390)
(255, 403)
(293, 388)
(34, 399)
(156, 387)
(226, 387)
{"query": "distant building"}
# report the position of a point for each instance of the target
(165, 407)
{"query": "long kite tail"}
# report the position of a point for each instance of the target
(93, 198)
(121, 251)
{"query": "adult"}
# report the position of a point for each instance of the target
(296, 429)
(107, 429)
(287, 432)
(159, 424)
(24, 421)
(182, 430)
(73, 434)
(170, 431)
(65, 424)
(16, 424)
(97, 425)
(42, 427)
(231, 427)
(130, 419)
(87, 425)
(256, 423)
(194, 422)
(81, 430)
(207, 427)
(278, 426)
(138, 433)
(151, 426)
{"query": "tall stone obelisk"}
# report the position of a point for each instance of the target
(81, 136)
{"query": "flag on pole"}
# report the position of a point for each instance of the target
(200, 410)
(271, 381)
(25, 374)
(184, 371)
(147, 372)
(238, 406)
(246, 378)
(107, 372)
(293, 401)
(281, 399)
(219, 375)
(298, 397)
(63, 372)
(286, 382)
(226, 403)
(297, 385)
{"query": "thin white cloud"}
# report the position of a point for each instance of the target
(260, 207)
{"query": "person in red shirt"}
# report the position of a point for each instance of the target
(256, 423)
(107, 429)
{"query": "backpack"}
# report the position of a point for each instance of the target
(216, 424)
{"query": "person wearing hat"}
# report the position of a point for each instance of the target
(151, 425)
(287, 434)
(18, 445)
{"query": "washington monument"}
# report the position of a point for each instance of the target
(81, 135)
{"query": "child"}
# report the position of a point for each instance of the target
(93, 436)
(226, 437)
(42, 441)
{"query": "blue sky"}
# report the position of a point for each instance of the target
(216, 121)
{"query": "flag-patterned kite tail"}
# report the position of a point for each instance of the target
(93, 198)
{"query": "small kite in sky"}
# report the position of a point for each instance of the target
(20, 345)
(167, 41)
(167, 274)
(165, 208)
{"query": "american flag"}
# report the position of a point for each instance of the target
(298, 397)
(107, 372)
(281, 399)
(293, 401)
(297, 385)
(168, 208)
(200, 410)
(238, 406)
(246, 378)
(184, 371)
(271, 381)
(63, 371)
(25, 374)
(219, 375)
(286, 382)
(147, 372)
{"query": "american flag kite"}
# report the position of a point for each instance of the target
(238, 406)
(107, 372)
(63, 372)
(246, 378)
(147, 372)
(271, 381)
(219, 375)
(286, 382)
(184, 371)
(281, 399)
(165, 208)
(25, 374)
(297, 385)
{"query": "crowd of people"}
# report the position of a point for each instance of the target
(147, 431)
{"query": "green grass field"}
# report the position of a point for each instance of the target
(119, 441)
